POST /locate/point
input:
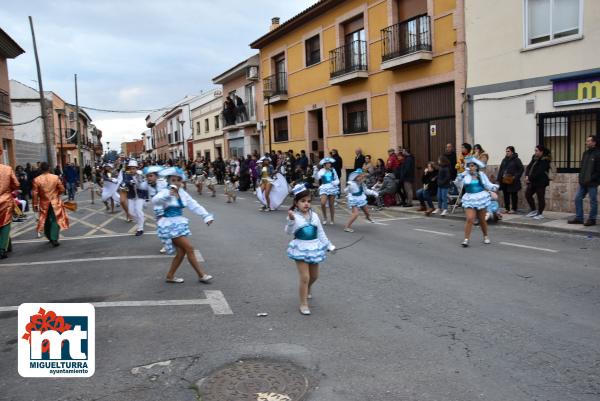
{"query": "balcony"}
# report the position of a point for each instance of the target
(98, 150)
(406, 42)
(348, 62)
(276, 85)
(239, 116)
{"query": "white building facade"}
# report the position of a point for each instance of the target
(533, 77)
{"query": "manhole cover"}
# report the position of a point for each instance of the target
(256, 380)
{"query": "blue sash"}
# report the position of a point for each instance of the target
(306, 233)
(474, 187)
(359, 193)
(327, 177)
(173, 211)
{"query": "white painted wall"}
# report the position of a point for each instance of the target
(502, 123)
(21, 112)
(495, 43)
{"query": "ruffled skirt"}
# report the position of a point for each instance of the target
(329, 190)
(311, 252)
(172, 227)
(357, 201)
(480, 200)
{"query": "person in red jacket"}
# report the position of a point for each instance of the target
(392, 162)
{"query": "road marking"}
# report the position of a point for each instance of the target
(433, 232)
(91, 232)
(51, 262)
(29, 241)
(528, 247)
(215, 299)
(16, 234)
(400, 218)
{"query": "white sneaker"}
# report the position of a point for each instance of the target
(533, 213)
(486, 240)
(538, 217)
(465, 243)
(324, 222)
(163, 250)
(444, 212)
(436, 211)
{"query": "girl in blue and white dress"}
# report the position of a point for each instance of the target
(310, 243)
(329, 187)
(173, 228)
(476, 198)
(356, 194)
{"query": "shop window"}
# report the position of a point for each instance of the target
(564, 134)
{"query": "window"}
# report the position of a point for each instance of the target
(548, 20)
(564, 134)
(197, 127)
(206, 125)
(216, 122)
(313, 50)
(355, 117)
(280, 128)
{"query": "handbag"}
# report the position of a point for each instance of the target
(508, 179)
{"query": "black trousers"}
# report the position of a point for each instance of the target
(540, 193)
(511, 199)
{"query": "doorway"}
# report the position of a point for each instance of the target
(428, 124)
(315, 133)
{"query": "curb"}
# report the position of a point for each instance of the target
(511, 224)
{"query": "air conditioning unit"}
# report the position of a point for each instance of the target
(252, 73)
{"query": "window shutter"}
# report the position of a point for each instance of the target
(539, 18)
(565, 16)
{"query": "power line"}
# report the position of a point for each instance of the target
(125, 111)
(23, 123)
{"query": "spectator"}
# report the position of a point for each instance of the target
(387, 191)
(509, 178)
(480, 154)
(242, 114)
(450, 154)
(303, 161)
(407, 177)
(429, 189)
(444, 179)
(359, 160)
(72, 179)
(589, 179)
(537, 179)
(465, 152)
(23, 182)
(368, 165)
(392, 162)
(337, 166)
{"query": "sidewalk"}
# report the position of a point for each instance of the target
(553, 221)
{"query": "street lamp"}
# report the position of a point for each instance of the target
(60, 112)
(183, 144)
(268, 92)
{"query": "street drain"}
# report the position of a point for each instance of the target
(256, 380)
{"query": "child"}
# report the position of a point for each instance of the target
(211, 181)
(231, 186)
(493, 211)
(200, 177)
(328, 189)
(309, 245)
(357, 199)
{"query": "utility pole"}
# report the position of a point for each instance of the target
(78, 134)
(49, 141)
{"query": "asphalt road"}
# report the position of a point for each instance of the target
(403, 313)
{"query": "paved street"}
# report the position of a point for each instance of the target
(402, 313)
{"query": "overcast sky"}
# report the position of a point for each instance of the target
(135, 54)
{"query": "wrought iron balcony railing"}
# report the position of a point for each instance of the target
(406, 37)
(276, 84)
(348, 58)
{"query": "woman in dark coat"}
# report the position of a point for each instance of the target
(509, 178)
(537, 179)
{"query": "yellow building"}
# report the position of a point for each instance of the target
(372, 74)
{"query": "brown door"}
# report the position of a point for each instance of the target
(428, 124)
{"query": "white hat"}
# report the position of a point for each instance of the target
(298, 188)
(169, 171)
(132, 163)
(475, 161)
(355, 173)
(327, 160)
(262, 159)
(152, 170)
